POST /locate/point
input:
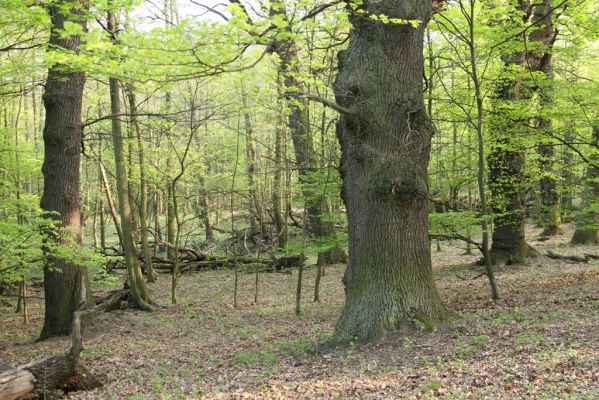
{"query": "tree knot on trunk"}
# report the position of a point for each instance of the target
(399, 178)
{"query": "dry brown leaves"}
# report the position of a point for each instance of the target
(540, 341)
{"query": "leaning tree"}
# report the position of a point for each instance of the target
(385, 137)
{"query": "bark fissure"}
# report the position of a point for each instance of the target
(385, 155)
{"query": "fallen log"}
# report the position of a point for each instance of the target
(577, 259)
(15, 384)
(267, 265)
(62, 372)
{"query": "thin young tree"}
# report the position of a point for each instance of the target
(139, 290)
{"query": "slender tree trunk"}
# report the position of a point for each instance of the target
(157, 228)
(171, 230)
(205, 210)
(102, 224)
(298, 289)
(255, 204)
(277, 187)
(385, 138)
(481, 156)
(111, 206)
(143, 201)
(568, 178)
(139, 290)
(62, 99)
(20, 298)
(95, 222)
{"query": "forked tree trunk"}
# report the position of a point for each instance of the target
(385, 138)
(62, 146)
(143, 187)
(139, 290)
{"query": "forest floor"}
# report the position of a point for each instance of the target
(540, 341)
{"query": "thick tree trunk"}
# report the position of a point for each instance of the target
(385, 138)
(587, 225)
(506, 160)
(550, 201)
(506, 164)
(205, 210)
(541, 60)
(505, 179)
(62, 145)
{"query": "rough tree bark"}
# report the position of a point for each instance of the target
(385, 138)
(62, 145)
(540, 60)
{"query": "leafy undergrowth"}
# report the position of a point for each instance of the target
(540, 341)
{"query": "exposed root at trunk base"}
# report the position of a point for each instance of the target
(361, 322)
(335, 255)
(501, 256)
(582, 236)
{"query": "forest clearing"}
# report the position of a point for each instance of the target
(541, 341)
(299, 199)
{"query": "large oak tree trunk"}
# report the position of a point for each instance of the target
(541, 60)
(505, 177)
(508, 129)
(385, 138)
(62, 145)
